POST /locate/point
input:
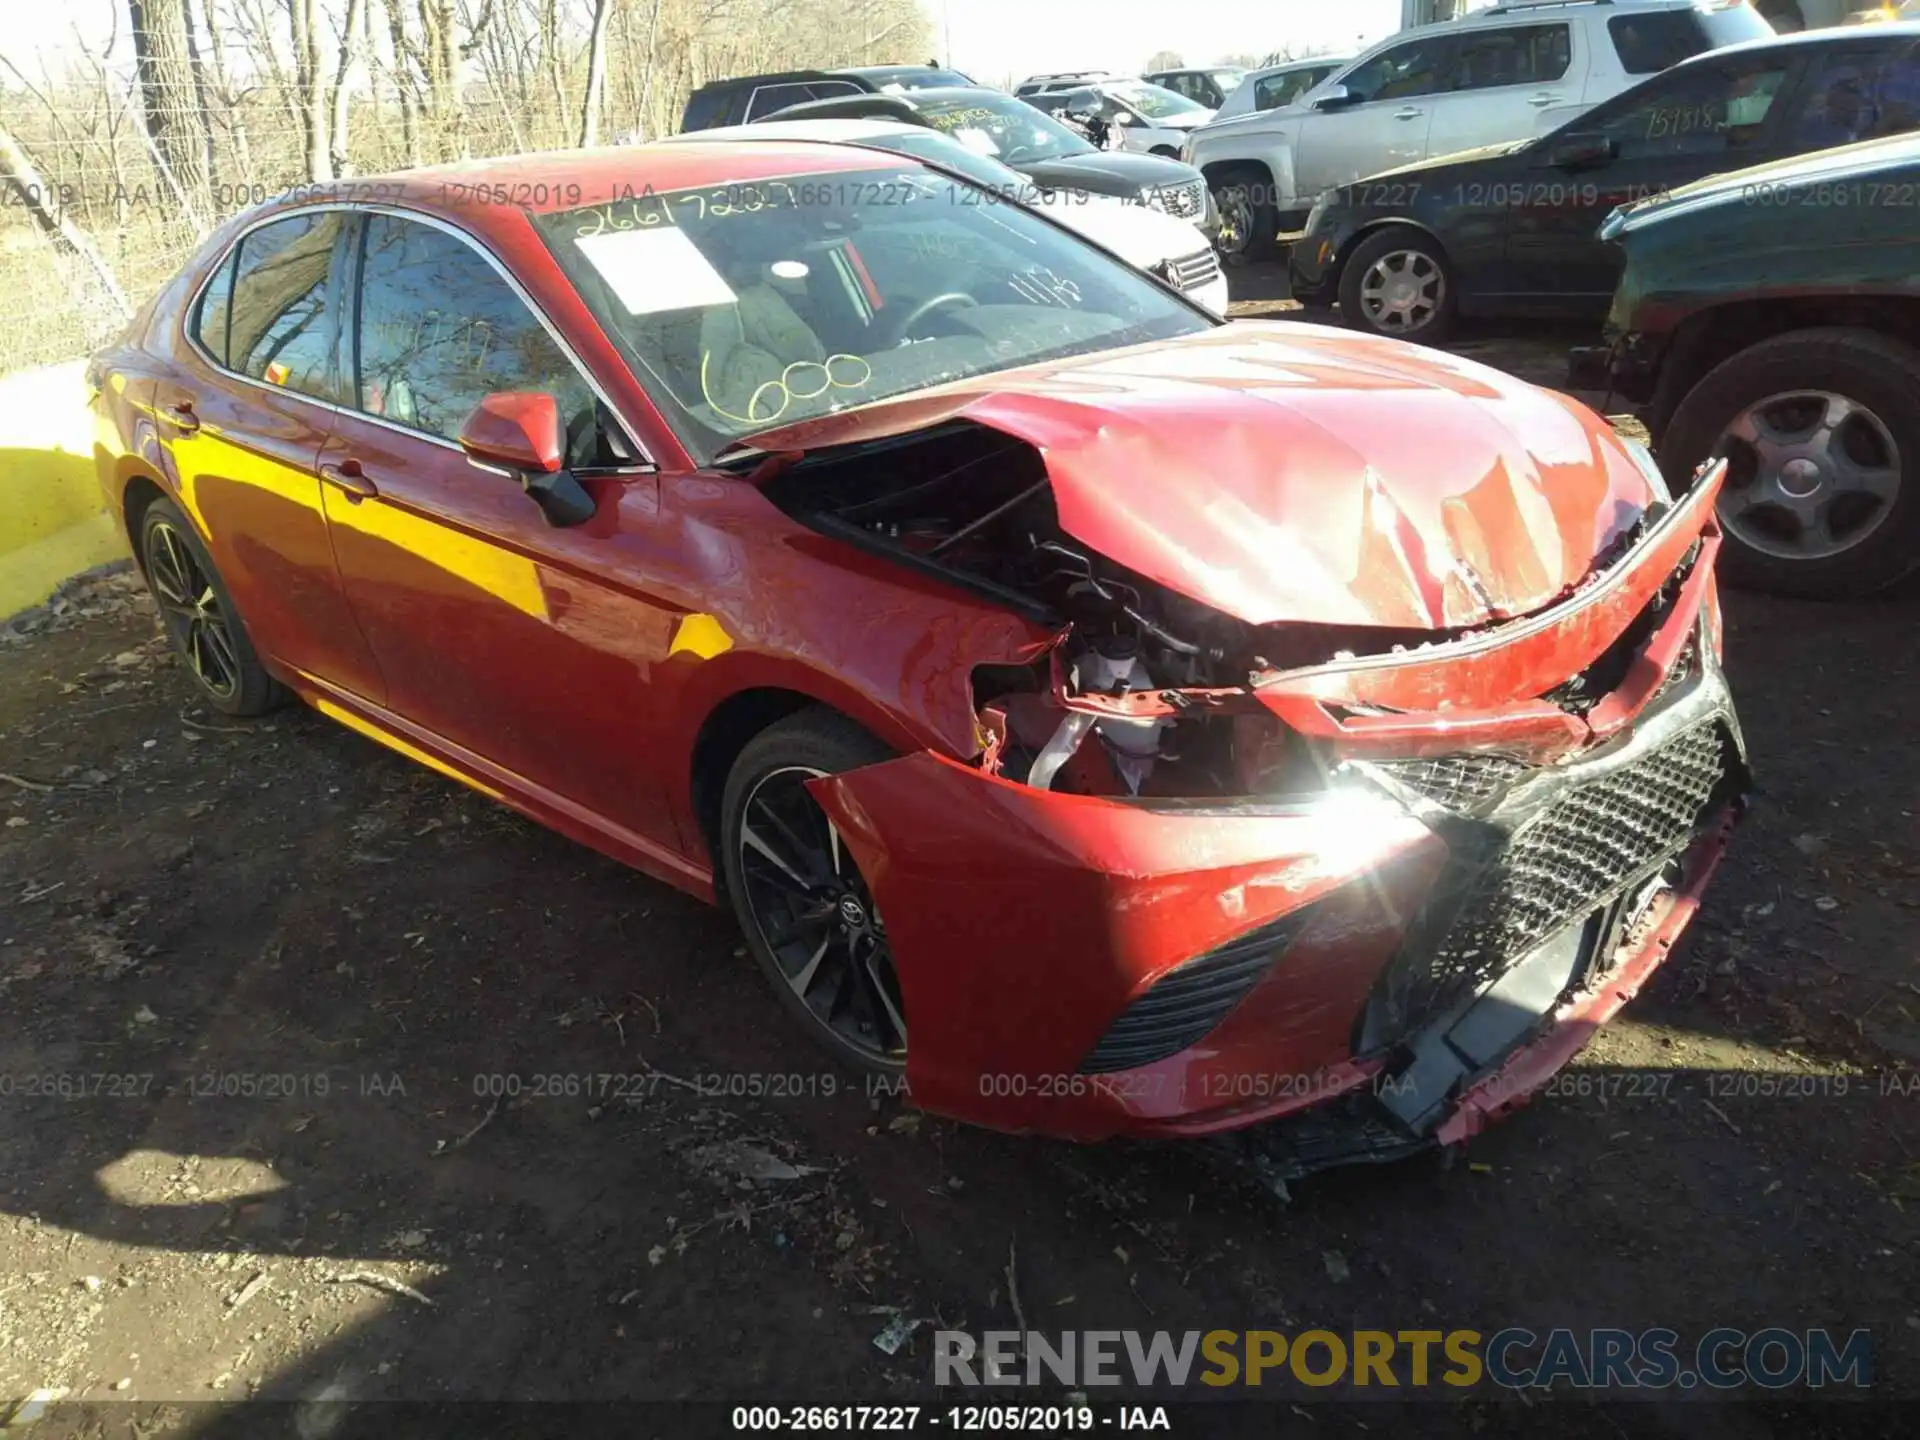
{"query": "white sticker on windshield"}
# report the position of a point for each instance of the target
(656, 269)
(974, 138)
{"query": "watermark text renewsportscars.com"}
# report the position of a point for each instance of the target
(1514, 1358)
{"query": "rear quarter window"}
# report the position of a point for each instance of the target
(210, 314)
(284, 322)
(1648, 43)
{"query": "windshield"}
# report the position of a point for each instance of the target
(959, 153)
(1228, 80)
(1156, 103)
(755, 305)
(1015, 131)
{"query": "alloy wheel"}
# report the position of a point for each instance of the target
(812, 908)
(1234, 205)
(1810, 474)
(191, 611)
(1402, 292)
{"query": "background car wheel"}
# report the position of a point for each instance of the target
(199, 617)
(808, 916)
(1249, 223)
(1399, 283)
(1821, 434)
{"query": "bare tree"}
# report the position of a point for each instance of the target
(310, 85)
(20, 173)
(1165, 60)
(175, 122)
(596, 74)
(341, 164)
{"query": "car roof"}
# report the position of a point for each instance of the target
(888, 72)
(834, 130)
(778, 77)
(1308, 63)
(1887, 32)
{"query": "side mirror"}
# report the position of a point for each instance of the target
(520, 431)
(1334, 97)
(1582, 152)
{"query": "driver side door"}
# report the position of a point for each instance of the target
(1687, 124)
(521, 650)
(1385, 125)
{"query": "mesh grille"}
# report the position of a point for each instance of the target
(1685, 664)
(1192, 998)
(1575, 856)
(1458, 782)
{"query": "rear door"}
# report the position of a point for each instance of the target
(1500, 80)
(245, 416)
(1384, 125)
(502, 636)
(1703, 118)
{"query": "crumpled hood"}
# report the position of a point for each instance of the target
(1282, 472)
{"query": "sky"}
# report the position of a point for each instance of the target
(991, 39)
(996, 38)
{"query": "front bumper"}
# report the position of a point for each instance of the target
(1313, 275)
(1420, 961)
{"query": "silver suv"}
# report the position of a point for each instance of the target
(1497, 75)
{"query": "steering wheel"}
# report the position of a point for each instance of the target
(899, 329)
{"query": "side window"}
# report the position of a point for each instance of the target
(1856, 95)
(1512, 55)
(1415, 68)
(210, 317)
(832, 89)
(769, 98)
(281, 327)
(1648, 43)
(1704, 110)
(439, 329)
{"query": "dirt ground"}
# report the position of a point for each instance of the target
(287, 974)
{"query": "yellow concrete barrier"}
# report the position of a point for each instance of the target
(52, 526)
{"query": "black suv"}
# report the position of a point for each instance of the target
(1771, 317)
(746, 98)
(1512, 229)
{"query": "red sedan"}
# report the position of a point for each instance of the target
(1172, 725)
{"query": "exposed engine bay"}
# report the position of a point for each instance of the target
(1147, 692)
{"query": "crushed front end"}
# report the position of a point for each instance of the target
(1335, 888)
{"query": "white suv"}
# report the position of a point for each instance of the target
(1497, 75)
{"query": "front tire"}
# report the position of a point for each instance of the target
(808, 916)
(1821, 433)
(1249, 227)
(1399, 283)
(200, 619)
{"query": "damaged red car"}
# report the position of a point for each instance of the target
(1114, 720)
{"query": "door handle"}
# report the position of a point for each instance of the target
(1410, 112)
(1542, 100)
(179, 414)
(350, 480)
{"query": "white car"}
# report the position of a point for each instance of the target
(1173, 250)
(1497, 75)
(1142, 117)
(1272, 86)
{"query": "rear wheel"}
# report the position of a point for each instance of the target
(1249, 222)
(1399, 283)
(1821, 433)
(808, 915)
(199, 616)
